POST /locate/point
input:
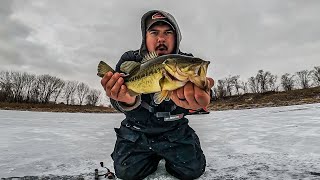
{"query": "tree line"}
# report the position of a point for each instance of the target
(265, 81)
(22, 87)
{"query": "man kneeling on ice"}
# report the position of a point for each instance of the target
(151, 132)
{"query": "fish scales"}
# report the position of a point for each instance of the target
(161, 75)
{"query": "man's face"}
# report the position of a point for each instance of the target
(161, 39)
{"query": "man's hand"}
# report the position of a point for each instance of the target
(115, 89)
(192, 97)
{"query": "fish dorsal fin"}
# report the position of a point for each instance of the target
(148, 57)
(129, 67)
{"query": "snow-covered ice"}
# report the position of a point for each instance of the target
(265, 143)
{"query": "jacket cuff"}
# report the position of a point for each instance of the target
(124, 107)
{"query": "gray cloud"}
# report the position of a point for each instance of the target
(69, 38)
(11, 34)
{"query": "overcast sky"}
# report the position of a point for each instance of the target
(68, 38)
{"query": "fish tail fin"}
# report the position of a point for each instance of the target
(103, 68)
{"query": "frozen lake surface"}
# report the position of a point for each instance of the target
(266, 143)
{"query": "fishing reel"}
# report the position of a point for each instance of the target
(108, 174)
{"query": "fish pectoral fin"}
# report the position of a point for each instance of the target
(129, 67)
(103, 68)
(168, 96)
(132, 93)
(160, 96)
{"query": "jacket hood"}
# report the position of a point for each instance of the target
(143, 49)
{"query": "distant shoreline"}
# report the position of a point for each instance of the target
(56, 108)
(245, 101)
(268, 99)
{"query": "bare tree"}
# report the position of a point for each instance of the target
(17, 85)
(287, 82)
(47, 86)
(82, 91)
(263, 79)
(253, 84)
(21, 83)
(315, 73)
(6, 93)
(237, 84)
(93, 97)
(24, 87)
(272, 82)
(245, 87)
(58, 91)
(34, 93)
(69, 91)
(43, 80)
(221, 91)
(303, 78)
(230, 84)
(28, 87)
(56, 87)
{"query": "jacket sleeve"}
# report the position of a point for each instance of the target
(120, 106)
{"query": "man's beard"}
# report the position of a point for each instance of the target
(161, 47)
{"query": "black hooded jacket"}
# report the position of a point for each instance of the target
(138, 117)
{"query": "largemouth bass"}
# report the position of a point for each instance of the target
(161, 74)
